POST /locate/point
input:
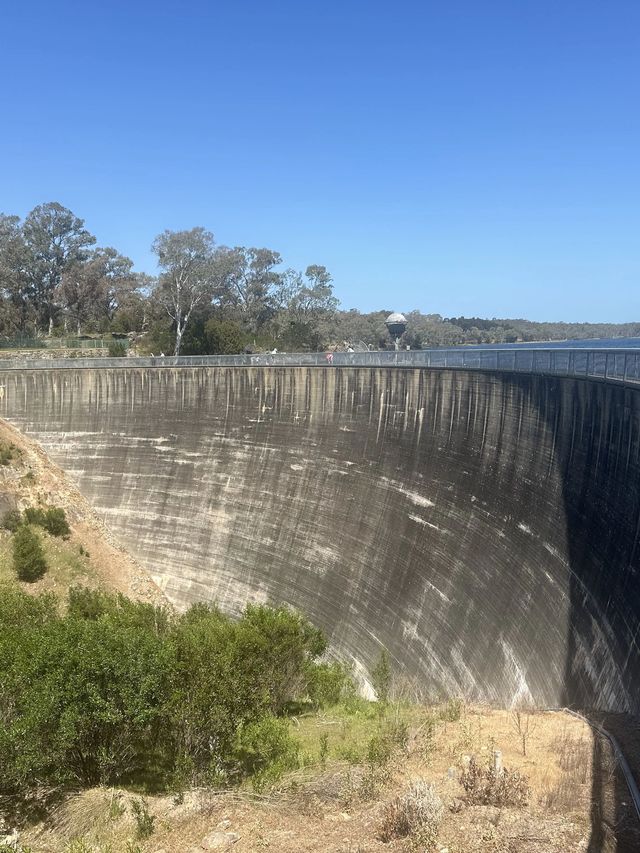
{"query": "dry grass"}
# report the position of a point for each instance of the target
(86, 821)
(569, 791)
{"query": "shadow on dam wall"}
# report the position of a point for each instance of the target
(598, 452)
(483, 527)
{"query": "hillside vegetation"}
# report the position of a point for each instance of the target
(78, 549)
(126, 726)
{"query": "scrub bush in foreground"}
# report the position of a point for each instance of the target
(417, 815)
(28, 557)
(484, 786)
(119, 692)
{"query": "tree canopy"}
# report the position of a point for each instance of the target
(209, 298)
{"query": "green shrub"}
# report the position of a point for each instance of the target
(230, 674)
(379, 750)
(356, 706)
(53, 520)
(452, 711)
(114, 691)
(78, 845)
(352, 753)
(328, 684)
(381, 677)
(90, 603)
(277, 645)
(264, 749)
(92, 706)
(12, 519)
(144, 821)
(8, 452)
(56, 522)
(223, 337)
(391, 736)
(28, 557)
(35, 515)
(324, 748)
(117, 349)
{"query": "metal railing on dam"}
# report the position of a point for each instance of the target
(616, 365)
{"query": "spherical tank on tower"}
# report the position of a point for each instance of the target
(397, 325)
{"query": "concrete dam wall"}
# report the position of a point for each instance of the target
(482, 526)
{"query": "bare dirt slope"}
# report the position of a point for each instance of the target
(92, 556)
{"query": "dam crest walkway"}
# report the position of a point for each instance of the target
(615, 365)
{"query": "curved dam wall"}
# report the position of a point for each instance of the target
(483, 527)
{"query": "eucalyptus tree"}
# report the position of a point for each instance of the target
(92, 290)
(55, 240)
(117, 283)
(16, 310)
(248, 283)
(133, 308)
(308, 307)
(314, 301)
(188, 275)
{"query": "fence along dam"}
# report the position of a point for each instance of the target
(482, 525)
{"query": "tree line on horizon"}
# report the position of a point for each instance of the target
(208, 298)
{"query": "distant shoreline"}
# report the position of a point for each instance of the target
(603, 343)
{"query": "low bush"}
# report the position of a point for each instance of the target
(144, 821)
(117, 349)
(416, 815)
(11, 520)
(52, 519)
(117, 692)
(381, 677)
(56, 522)
(351, 753)
(8, 452)
(223, 337)
(484, 786)
(265, 748)
(375, 754)
(372, 782)
(451, 711)
(391, 736)
(28, 557)
(35, 515)
(324, 749)
(328, 684)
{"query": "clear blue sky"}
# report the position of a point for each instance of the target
(457, 157)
